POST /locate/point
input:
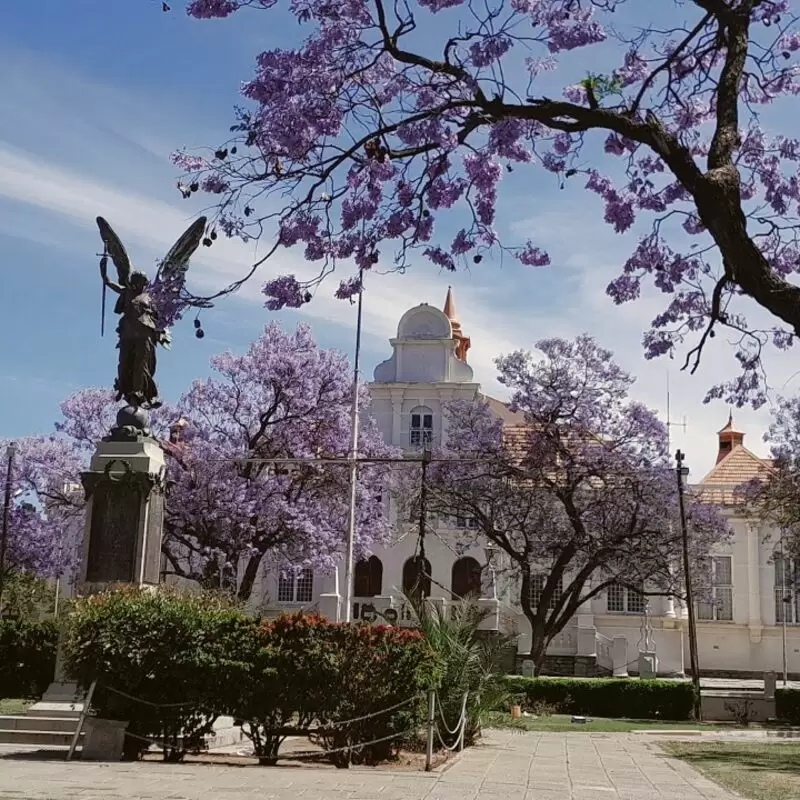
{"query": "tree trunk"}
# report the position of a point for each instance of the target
(249, 577)
(538, 651)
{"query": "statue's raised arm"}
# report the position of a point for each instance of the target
(114, 248)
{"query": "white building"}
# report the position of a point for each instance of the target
(741, 632)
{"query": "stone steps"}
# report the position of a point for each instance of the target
(38, 731)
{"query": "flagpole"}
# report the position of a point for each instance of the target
(353, 458)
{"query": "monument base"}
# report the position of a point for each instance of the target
(125, 514)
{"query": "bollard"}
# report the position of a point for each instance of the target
(431, 723)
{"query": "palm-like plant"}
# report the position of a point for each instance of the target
(468, 659)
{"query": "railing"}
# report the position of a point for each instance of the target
(603, 651)
(563, 643)
(389, 610)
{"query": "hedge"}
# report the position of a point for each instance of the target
(787, 705)
(27, 657)
(632, 699)
(192, 658)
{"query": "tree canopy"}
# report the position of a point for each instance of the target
(389, 127)
(578, 495)
(240, 492)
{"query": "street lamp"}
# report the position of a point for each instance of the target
(681, 472)
(11, 452)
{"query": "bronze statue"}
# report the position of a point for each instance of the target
(139, 330)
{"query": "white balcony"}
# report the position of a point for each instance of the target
(390, 610)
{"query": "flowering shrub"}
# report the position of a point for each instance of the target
(178, 655)
(370, 669)
(189, 658)
(319, 674)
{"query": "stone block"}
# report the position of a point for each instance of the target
(104, 739)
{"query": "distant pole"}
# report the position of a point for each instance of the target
(785, 607)
(680, 471)
(351, 521)
(423, 521)
(11, 451)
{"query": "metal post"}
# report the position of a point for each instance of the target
(431, 723)
(351, 521)
(11, 451)
(81, 720)
(679, 470)
(784, 612)
(423, 521)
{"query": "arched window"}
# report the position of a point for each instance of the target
(368, 578)
(466, 578)
(421, 426)
(417, 585)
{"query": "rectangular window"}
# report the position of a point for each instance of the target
(538, 582)
(622, 600)
(296, 585)
(786, 597)
(465, 521)
(717, 606)
(421, 429)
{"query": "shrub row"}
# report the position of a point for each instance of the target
(633, 699)
(27, 657)
(787, 705)
(192, 658)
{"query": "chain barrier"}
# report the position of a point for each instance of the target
(304, 754)
(294, 756)
(459, 731)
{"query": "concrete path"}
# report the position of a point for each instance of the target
(508, 766)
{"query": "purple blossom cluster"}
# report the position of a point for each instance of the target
(365, 143)
(229, 503)
(584, 484)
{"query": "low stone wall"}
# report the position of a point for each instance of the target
(563, 666)
(742, 707)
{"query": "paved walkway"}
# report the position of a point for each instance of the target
(508, 766)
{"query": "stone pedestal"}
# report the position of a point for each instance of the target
(619, 656)
(104, 739)
(648, 664)
(122, 538)
(770, 683)
(124, 515)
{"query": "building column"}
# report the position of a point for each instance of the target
(754, 622)
(587, 632)
(397, 417)
(330, 601)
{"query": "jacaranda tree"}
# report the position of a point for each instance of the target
(576, 497)
(357, 140)
(243, 486)
(774, 495)
(241, 490)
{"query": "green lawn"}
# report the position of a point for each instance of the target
(12, 705)
(562, 722)
(756, 771)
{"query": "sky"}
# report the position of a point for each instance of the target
(96, 95)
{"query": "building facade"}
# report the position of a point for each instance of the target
(748, 621)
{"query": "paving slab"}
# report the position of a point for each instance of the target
(507, 765)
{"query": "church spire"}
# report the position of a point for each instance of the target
(462, 342)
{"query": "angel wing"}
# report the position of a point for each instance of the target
(116, 251)
(177, 260)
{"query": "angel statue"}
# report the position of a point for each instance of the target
(139, 330)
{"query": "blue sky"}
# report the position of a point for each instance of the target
(96, 94)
